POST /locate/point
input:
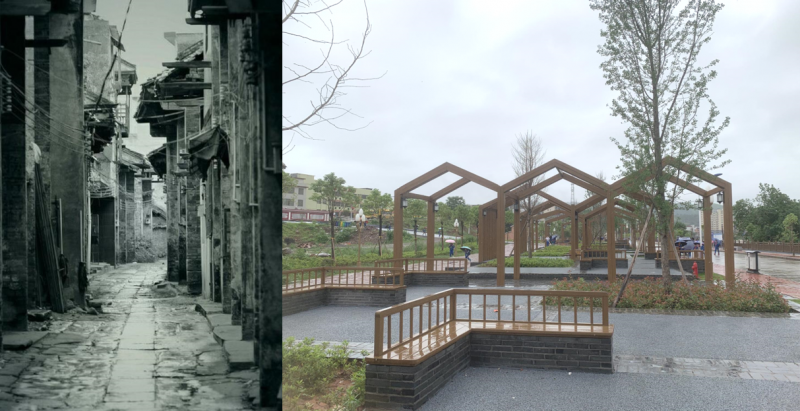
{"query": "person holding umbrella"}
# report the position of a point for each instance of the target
(467, 252)
(452, 248)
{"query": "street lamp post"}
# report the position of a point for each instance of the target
(455, 225)
(360, 220)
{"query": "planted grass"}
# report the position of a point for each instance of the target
(746, 296)
(552, 251)
(533, 262)
(321, 377)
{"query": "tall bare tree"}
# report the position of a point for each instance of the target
(651, 49)
(528, 154)
(328, 75)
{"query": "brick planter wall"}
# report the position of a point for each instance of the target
(600, 263)
(410, 387)
(389, 386)
(687, 265)
(344, 297)
(437, 279)
(341, 297)
(534, 351)
(299, 302)
(649, 256)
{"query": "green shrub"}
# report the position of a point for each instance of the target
(533, 262)
(749, 296)
(308, 371)
(406, 236)
(552, 251)
(345, 234)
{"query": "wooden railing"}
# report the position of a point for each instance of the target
(776, 247)
(685, 255)
(410, 265)
(320, 277)
(442, 308)
(618, 254)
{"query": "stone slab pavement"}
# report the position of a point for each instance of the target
(148, 350)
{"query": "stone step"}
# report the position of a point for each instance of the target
(239, 353)
(18, 341)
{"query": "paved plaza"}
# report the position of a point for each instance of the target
(667, 359)
(148, 350)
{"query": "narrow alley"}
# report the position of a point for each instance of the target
(146, 349)
(137, 246)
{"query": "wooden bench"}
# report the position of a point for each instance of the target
(341, 286)
(688, 258)
(438, 335)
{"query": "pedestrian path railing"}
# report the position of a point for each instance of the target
(342, 277)
(426, 265)
(460, 310)
(775, 247)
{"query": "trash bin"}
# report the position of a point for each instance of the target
(752, 261)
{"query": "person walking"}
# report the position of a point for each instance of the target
(466, 254)
(452, 248)
(546, 241)
(716, 247)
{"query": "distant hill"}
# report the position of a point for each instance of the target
(692, 217)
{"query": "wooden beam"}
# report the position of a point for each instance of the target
(44, 43)
(582, 175)
(522, 193)
(423, 179)
(186, 85)
(530, 175)
(187, 64)
(580, 183)
(417, 196)
(687, 185)
(24, 7)
(449, 189)
(556, 201)
(583, 205)
(713, 191)
(472, 177)
(545, 216)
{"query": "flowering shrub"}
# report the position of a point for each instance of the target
(533, 262)
(747, 295)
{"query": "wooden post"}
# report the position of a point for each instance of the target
(397, 241)
(651, 240)
(611, 244)
(500, 235)
(709, 250)
(727, 234)
(573, 241)
(517, 243)
(535, 235)
(431, 237)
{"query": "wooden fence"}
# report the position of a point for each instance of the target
(441, 308)
(411, 265)
(320, 277)
(775, 247)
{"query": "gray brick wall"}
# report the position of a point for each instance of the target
(649, 256)
(390, 387)
(341, 297)
(437, 279)
(533, 351)
(299, 302)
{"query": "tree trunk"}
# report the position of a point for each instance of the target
(333, 252)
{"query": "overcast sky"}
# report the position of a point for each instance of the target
(464, 78)
(146, 47)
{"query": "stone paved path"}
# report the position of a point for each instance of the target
(751, 370)
(149, 350)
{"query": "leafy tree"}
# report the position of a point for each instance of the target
(528, 153)
(417, 210)
(680, 229)
(333, 193)
(377, 203)
(289, 183)
(651, 49)
(763, 217)
(790, 228)
(454, 201)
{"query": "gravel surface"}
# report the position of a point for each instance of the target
(512, 389)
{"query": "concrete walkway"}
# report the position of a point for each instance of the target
(148, 350)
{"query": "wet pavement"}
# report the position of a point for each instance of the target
(787, 269)
(147, 350)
